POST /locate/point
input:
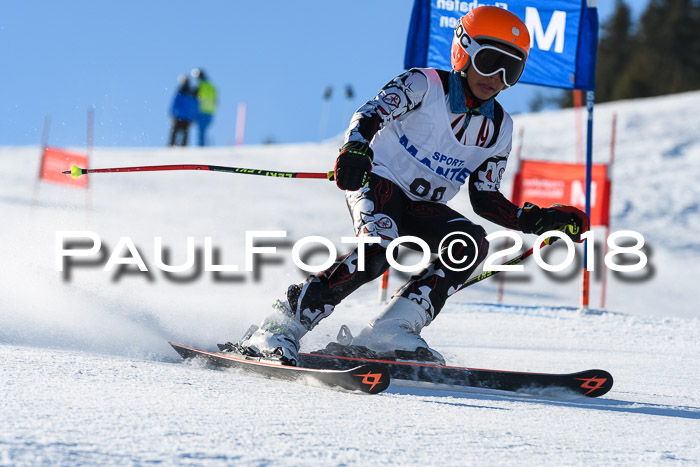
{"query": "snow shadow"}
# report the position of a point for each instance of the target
(555, 397)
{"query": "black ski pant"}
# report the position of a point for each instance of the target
(180, 128)
(382, 210)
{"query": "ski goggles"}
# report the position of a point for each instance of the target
(489, 60)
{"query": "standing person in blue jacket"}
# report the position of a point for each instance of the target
(206, 97)
(183, 111)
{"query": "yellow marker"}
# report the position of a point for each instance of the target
(76, 171)
(570, 227)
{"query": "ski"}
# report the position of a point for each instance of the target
(589, 383)
(366, 377)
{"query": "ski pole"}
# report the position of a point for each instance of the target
(487, 274)
(76, 171)
(517, 260)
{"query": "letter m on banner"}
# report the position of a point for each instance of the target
(545, 183)
(55, 160)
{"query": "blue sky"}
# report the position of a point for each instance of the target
(123, 59)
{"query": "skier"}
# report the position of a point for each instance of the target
(407, 152)
(183, 111)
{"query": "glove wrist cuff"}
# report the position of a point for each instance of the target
(357, 148)
(529, 215)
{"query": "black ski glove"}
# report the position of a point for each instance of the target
(536, 220)
(353, 166)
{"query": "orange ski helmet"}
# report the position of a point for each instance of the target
(488, 24)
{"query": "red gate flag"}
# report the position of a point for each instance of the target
(546, 183)
(55, 160)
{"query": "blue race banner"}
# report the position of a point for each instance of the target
(564, 38)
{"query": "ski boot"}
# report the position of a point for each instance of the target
(276, 339)
(395, 334)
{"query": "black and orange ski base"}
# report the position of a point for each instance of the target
(589, 383)
(366, 377)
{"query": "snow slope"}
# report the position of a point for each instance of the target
(87, 376)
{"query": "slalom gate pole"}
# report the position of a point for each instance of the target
(76, 171)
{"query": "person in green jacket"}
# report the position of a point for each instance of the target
(206, 96)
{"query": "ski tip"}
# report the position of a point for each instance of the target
(175, 346)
